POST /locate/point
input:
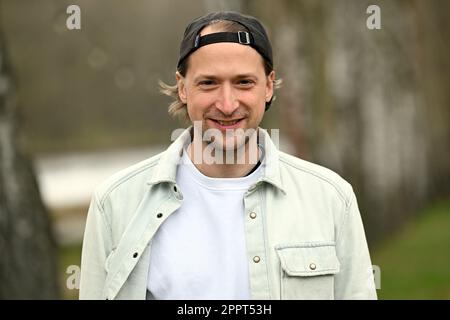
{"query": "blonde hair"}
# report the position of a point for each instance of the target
(177, 108)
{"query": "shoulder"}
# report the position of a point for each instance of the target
(127, 179)
(315, 176)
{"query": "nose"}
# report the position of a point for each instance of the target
(227, 101)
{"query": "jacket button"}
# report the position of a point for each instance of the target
(312, 266)
(135, 255)
(159, 215)
(256, 259)
(253, 215)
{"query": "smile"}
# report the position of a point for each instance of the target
(228, 123)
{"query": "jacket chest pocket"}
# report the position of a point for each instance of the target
(307, 270)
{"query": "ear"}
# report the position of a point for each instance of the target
(181, 87)
(269, 85)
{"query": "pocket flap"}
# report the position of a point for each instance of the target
(309, 259)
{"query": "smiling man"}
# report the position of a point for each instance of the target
(222, 213)
(224, 91)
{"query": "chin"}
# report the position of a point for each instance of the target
(232, 144)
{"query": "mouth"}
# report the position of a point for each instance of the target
(226, 124)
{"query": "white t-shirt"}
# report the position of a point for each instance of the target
(199, 252)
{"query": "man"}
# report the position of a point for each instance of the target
(222, 214)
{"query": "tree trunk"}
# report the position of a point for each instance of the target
(27, 248)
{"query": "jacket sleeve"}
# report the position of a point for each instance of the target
(96, 247)
(355, 279)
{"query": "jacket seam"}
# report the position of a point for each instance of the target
(344, 219)
(104, 219)
(306, 245)
(318, 175)
(130, 175)
(107, 224)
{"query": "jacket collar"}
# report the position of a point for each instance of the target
(166, 169)
(271, 162)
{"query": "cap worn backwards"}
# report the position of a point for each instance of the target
(256, 37)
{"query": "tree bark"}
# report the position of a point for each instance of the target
(27, 249)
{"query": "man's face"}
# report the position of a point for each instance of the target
(226, 88)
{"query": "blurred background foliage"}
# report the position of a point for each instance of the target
(373, 105)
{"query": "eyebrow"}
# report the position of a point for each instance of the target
(213, 77)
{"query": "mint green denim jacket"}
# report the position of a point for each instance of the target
(303, 230)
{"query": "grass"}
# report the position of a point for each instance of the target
(414, 263)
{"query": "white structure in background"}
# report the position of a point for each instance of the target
(69, 180)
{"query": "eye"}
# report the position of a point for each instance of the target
(246, 82)
(206, 82)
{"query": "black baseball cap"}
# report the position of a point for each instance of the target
(256, 36)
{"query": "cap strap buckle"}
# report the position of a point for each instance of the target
(197, 41)
(241, 35)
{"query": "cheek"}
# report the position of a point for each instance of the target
(248, 98)
(199, 102)
(202, 99)
(255, 99)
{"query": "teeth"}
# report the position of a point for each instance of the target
(227, 123)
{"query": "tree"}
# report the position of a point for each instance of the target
(27, 248)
